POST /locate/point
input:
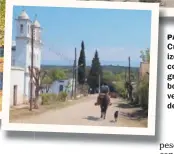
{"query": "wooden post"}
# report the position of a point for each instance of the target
(75, 72)
(129, 71)
(99, 83)
(31, 69)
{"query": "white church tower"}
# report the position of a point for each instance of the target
(22, 56)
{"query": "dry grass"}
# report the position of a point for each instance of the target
(19, 113)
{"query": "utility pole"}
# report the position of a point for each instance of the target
(75, 72)
(125, 74)
(129, 70)
(99, 83)
(73, 79)
(130, 86)
(31, 69)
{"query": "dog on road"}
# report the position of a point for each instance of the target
(116, 116)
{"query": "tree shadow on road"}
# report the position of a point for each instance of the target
(136, 115)
(112, 121)
(92, 118)
(121, 105)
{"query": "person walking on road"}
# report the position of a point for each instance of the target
(103, 100)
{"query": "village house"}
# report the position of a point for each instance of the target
(144, 69)
(58, 86)
(21, 57)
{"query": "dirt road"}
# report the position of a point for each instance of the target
(85, 113)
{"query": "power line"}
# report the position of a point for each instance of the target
(62, 56)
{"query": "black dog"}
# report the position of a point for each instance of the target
(116, 115)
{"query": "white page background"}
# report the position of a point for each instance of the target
(48, 143)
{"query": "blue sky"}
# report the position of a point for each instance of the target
(116, 34)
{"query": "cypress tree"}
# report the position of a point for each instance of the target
(82, 65)
(95, 71)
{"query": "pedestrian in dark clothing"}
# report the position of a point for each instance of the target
(104, 105)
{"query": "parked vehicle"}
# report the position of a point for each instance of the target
(113, 94)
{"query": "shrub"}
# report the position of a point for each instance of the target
(120, 88)
(62, 96)
(45, 99)
(143, 93)
(53, 97)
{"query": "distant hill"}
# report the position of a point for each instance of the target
(112, 68)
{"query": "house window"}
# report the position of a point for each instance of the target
(21, 28)
(60, 88)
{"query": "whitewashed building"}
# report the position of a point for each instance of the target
(21, 57)
(62, 85)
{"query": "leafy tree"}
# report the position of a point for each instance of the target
(143, 92)
(82, 65)
(95, 71)
(38, 76)
(145, 55)
(68, 87)
(120, 88)
(57, 74)
(108, 76)
(46, 83)
(120, 76)
(2, 21)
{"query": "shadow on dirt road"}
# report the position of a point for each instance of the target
(92, 118)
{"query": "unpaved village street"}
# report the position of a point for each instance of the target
(85, 113)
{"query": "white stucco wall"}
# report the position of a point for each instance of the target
(19, 55)
(26, 28)
(54, 88)
(17, 78)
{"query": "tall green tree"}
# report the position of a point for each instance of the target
(95, 72)
(57, 74)
(145, 55)
(2, 21)
(108, 76)
(46, 83)
(82, 65)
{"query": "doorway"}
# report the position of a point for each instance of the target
(60, 88)
(15, 95)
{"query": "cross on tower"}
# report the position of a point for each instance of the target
(35, 17)
(23, 8)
